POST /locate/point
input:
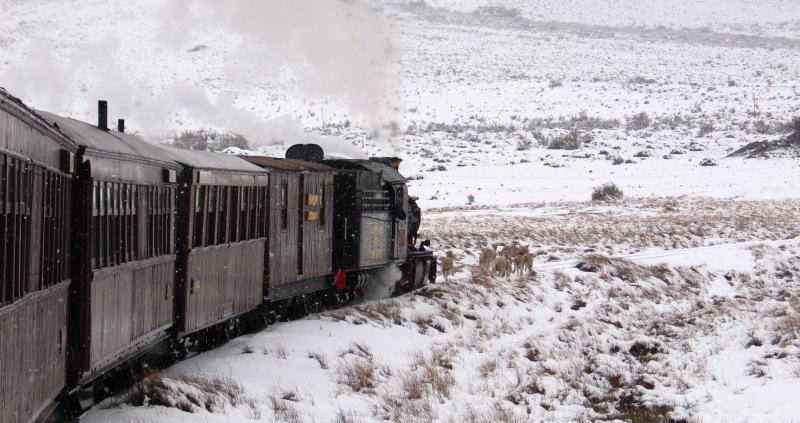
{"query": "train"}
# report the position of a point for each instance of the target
(115, 250)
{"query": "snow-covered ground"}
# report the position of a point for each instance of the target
(471, 94)
(694, 319)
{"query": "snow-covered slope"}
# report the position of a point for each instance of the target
(471, 93)
(694, 318)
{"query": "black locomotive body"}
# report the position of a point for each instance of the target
(370, 218)
(115, 250)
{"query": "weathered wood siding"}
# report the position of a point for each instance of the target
(32, 338)
(22, 137)
(34, 280)
(223, 281)
(316, 234)
(131, 305)
(282, 253)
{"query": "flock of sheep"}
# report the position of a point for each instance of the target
(510, 259)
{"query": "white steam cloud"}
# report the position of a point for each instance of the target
(338, 49)
(382, 283)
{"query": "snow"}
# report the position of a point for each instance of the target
(474, 97)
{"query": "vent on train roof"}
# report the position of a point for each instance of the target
(102, 115)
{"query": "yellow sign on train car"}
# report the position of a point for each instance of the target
(312, 200)
(312, 215)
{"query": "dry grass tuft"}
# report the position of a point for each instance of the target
(284, 411)
(357, 349)
(359, 374)
(189, 393)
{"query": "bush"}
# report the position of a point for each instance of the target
(641, 80)
(796, 124)
(617, 160)
(569, 141)
(639, 121)
(607, 192)
(705, 129)
(708, 162)
(556, 83)
(524, 144)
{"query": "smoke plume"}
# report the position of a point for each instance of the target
(334, 49)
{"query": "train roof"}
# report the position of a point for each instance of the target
(200, 159)
(288, 164)
(20, 110)
(388, 173)
(109, 143)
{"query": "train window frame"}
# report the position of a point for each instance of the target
(284, 205)
(242, 213)
(234, 214)
(224, 215)
(262, 211)
(200, 200)
(210, 219)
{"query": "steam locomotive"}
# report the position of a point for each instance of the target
(114, 251)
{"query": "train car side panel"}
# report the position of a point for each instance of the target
(223, 282)
(34, 272)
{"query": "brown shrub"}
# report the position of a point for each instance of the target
(358, 374)
(188, 392)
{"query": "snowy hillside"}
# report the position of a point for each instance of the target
(678, 303)
(459, 88)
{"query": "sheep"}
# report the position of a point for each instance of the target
(527, 263)
(502, 267)
(487, 257)
(511, 251)
(447, 265)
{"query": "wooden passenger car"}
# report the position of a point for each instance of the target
(300, 226)
(35, 164)
(221, 238)
(123, 257)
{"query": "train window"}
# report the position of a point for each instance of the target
(233, 226)
(211, 216)
(284, 199)
(224, 208)
(239, 213)
(263, 207)
(17, 184)
(169, 220)
(253, 206)
(95, 225)
(199, 206)
(134, 222)
(116, 226)
(322, 205)
(166, 220)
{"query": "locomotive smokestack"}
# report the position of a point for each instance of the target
(121, 125)
(102, 115)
